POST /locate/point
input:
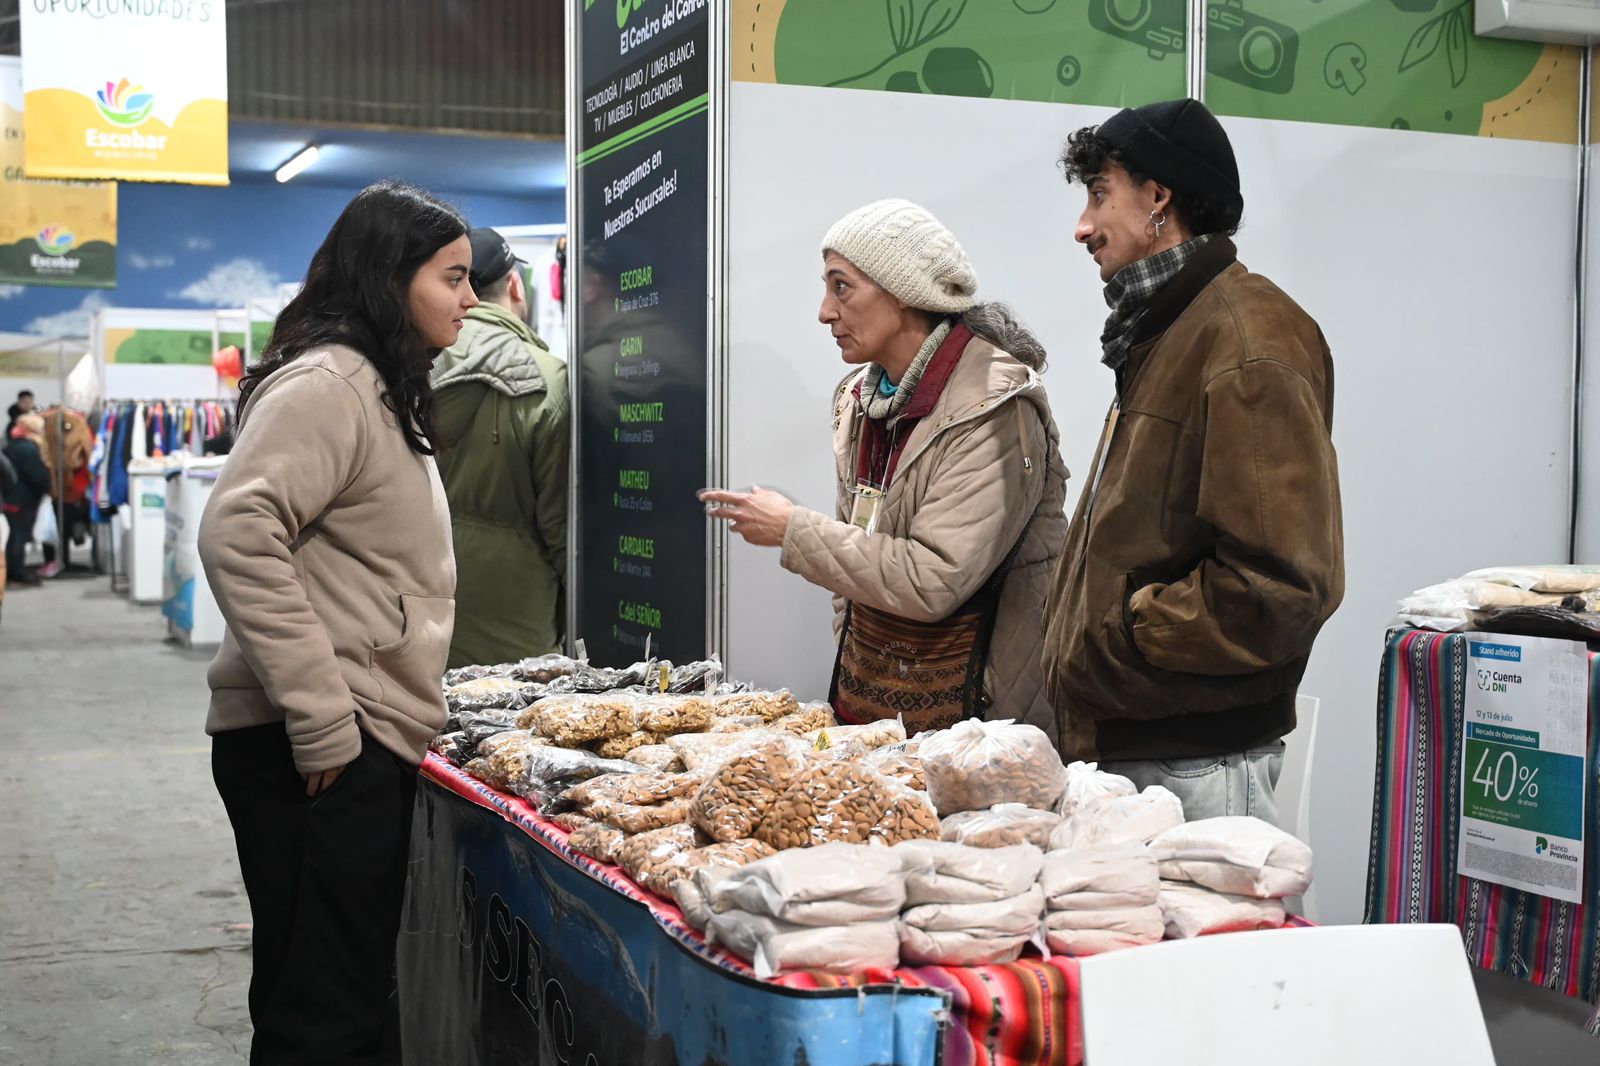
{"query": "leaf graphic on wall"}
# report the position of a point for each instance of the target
(909, 31)
(902, 22)
(1456, 47)
(939, 16)
(1424, 43)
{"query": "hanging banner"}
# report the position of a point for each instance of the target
(642, 238)
(51, 232)
(127, 89)
(1523, 763)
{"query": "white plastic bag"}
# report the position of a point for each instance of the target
(1100, 878)
(976, 764)
(1190, 910)
(773, 946)
(938, 871)
(1086, 782)
(1120, 820)
(831, 884)
(1096, 932)
(922, 947)
(1267, 882)
(44, 526)
(1240, 841)
(1558, 578)
(1019, 915)
(1001, 826)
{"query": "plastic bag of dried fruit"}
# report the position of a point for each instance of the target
(739, 792)
(826, 802)
(975, 764)
(1001, 826)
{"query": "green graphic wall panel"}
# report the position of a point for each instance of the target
(1402, 64)
(1111, 53)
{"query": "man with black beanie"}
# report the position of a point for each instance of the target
(1207, 549)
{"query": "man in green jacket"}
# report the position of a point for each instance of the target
(1207, 549)
(501, 428)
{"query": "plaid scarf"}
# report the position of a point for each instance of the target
(1130, 291)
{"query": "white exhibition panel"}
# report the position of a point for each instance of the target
(1588, 509)
(1452, 339)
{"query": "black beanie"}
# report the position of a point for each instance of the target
(1178, 143)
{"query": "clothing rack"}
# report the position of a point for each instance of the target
(128, 430)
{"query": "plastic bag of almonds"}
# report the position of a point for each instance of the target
(974, 765)
(827, 801)
(647, 856)
(633, 818)
(710, 750)
(620, 747)
(657, 757)
(768, 705)
(738, 793)
(907, 815)
(644, 787)
(727, 853)
(870, 735)
(599, 841)
(897, 766)
(572, 821)
(668, 713)
(1001, 826)
(580, 718)
(740, 724)
(810, 717)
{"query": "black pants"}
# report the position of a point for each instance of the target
(326, 877)
(21, 531)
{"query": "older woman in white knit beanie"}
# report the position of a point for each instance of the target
(951, 486)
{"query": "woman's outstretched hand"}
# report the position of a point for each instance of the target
(760, 516)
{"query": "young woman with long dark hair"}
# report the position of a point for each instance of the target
(327, 544)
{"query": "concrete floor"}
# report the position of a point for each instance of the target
(124, 927)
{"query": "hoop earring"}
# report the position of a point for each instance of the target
(1158, 223)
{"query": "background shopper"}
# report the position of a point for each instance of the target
(949, 513)
(327, 543)
(502, 428)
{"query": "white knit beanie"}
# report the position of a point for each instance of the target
(903, 248)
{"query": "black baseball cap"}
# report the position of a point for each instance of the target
(492, 258)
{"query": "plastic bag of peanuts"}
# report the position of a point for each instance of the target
(974, 765)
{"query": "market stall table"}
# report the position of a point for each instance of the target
(515, 948)
(1412, 873)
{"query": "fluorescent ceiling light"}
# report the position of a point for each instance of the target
(292, 169)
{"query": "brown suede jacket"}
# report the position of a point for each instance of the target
(1209, 550)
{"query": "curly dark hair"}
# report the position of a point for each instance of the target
(1085, 155)
(355, 294)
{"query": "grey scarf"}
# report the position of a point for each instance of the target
(1130, 291)
(875, 405)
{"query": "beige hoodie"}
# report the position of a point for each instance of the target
(327, 545)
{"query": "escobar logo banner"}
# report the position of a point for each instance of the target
(61, 233)
(128, 89)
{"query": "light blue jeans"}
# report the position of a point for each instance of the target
(1216, 785)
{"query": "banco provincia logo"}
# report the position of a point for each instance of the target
(1540, 845)
(124, 103)
(54, 240)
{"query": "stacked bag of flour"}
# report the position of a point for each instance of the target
(1227, 874)
(1101, 899)
(968, 906)
(831, 907)
(1101, 884)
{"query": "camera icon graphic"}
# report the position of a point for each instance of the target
(1158, 25)
(1250, 50)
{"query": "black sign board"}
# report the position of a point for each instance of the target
(643, 283)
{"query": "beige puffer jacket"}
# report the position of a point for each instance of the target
(973, 470)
